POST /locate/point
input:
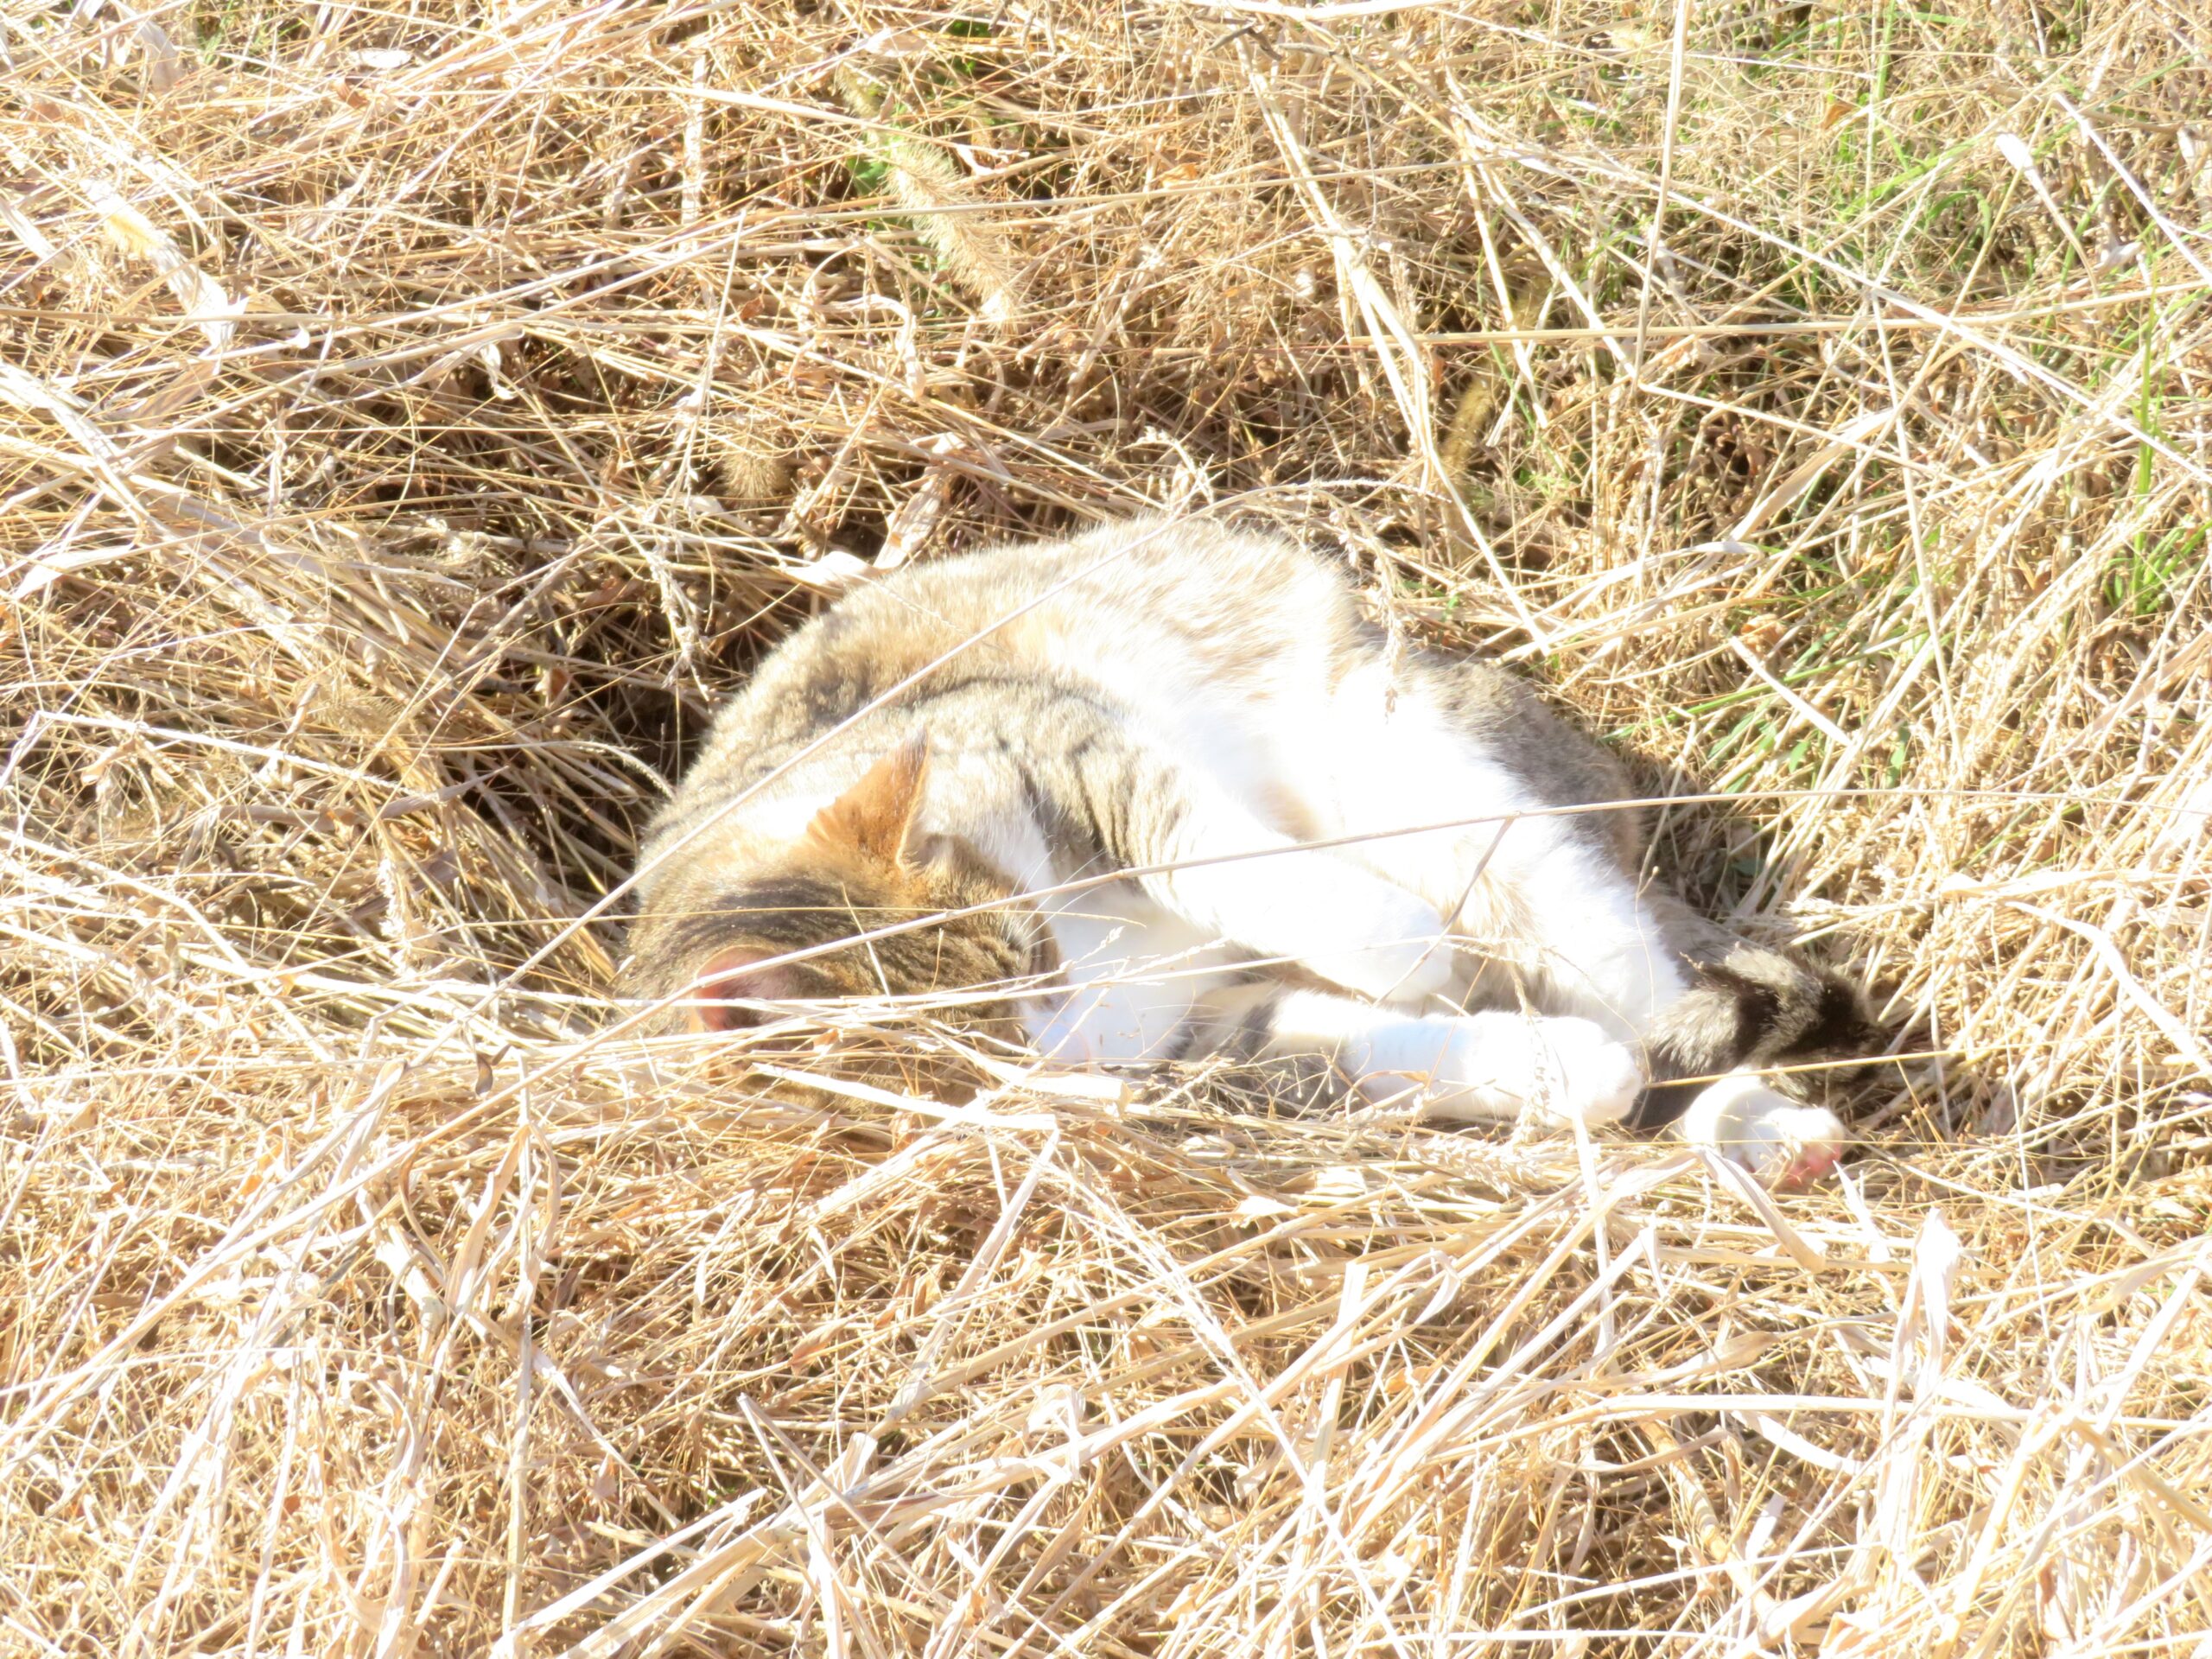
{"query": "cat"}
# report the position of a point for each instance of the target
(1161, 791)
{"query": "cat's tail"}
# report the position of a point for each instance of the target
(1749, 1007)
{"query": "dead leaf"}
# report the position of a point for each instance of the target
(1762, 634)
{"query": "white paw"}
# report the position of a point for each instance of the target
(1373, 939)
(1781, 1142)
(1114, 1024)
(1494, 1065)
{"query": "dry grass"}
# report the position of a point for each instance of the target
(411, 417)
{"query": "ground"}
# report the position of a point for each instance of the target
(412, 418)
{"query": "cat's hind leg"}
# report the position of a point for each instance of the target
(1193, 848)
(1550, 898)
(1220, 867)
(1462, 810)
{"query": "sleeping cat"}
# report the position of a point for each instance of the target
(1161, 792)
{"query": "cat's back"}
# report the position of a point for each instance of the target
(1213, 647)
(1150, 615)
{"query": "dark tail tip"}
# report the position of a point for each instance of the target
(1755, 1007)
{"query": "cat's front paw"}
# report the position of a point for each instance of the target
(1782, 1143)
(1378, 940)
(1492, 1064)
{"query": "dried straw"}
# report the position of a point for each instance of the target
(409, 420)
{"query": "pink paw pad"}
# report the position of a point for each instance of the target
(1810, 1167)
(1782, 1144)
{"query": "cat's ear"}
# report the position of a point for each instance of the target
(727, 979)
(876, 815)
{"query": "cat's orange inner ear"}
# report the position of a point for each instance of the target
(875, 815)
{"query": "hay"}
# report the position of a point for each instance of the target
(411, 418)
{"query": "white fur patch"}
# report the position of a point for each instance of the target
(1352, 929)
(1397, 763)
(1495, 1064)
(1134, 972)
(1484, 1067)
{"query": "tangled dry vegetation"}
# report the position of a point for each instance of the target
(411, 417)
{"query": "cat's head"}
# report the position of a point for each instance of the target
(844, 900)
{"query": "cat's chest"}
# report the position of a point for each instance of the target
(1134, 972)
